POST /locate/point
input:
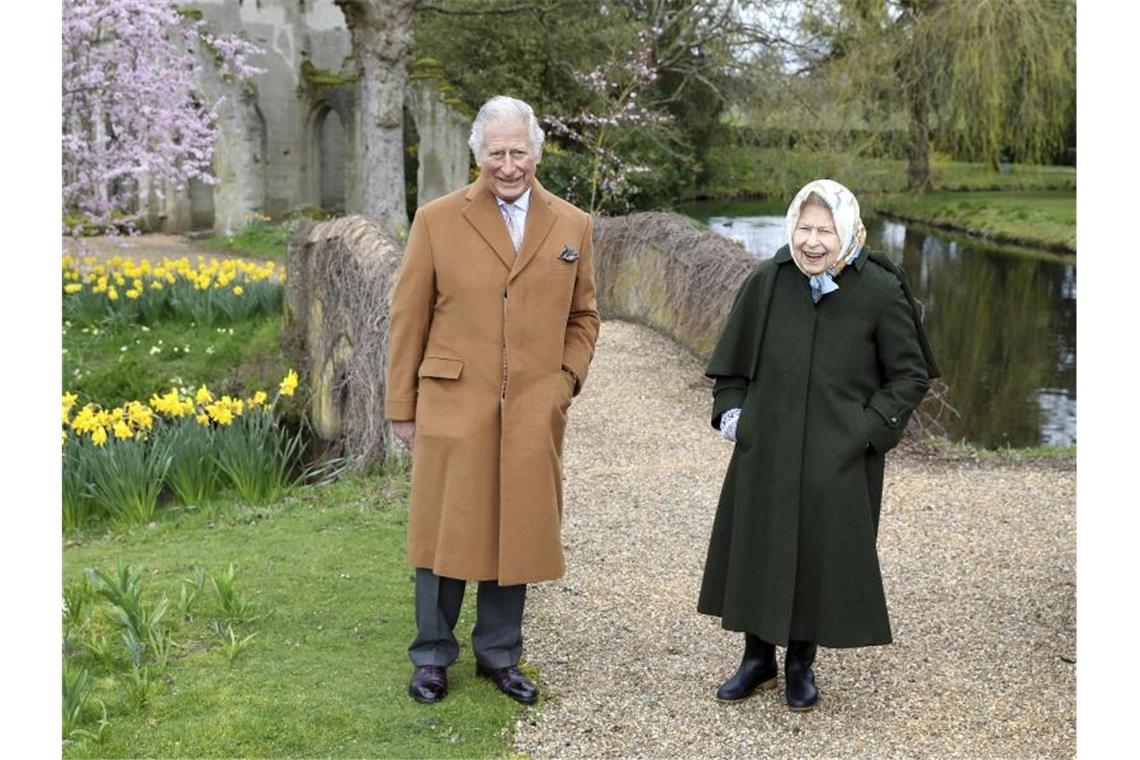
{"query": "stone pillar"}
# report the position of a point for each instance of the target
(444, 157)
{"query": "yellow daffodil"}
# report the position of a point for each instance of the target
(132, 294)
(122, 430)
(74, 287)
(220, 413)
(112, 293)
(69, 400)
(140, 416)
(203, 396)
(202, 418)
(99, 436)
(258, 399)
(86, 421)
(289, 384)
(238, 290)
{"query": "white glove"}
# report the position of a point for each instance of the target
(728, 424)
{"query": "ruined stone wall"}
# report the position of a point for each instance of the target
(267, 159)
(288, 139)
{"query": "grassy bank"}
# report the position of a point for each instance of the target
(259, 240)
(1043, 219)
(944, 449)
(327, 669)
(114, 363)
(748, 172)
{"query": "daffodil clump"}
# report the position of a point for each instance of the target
(190, 442)
(210, 291)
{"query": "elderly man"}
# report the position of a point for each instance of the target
(493, 325)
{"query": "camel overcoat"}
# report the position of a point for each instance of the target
(479, 348)
(825, 391)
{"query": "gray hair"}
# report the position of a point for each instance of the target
(503, 109)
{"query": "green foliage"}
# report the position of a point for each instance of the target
(77, 689)
(235, 607)
(258, 457)
(124, 477)
(189, 591)
(194, 475)
(78, 501)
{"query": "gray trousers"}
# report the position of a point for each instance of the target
(497, 637)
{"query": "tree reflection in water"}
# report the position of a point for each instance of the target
(1003, 329)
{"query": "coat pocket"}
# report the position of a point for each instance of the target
(441, 367)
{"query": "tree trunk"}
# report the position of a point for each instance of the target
(918, 141)
(382, 43)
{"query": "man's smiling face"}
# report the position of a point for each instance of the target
(509, 159)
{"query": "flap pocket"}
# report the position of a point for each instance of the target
(438, 366)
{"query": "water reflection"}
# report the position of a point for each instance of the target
(1003, 327)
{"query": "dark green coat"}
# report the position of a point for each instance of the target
(826, 390)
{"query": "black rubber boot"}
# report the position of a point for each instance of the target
(799, 680)
(757, 671)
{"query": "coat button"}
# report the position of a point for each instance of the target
(894, 420)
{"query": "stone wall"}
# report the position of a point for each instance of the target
(660, 270)
(341, 275)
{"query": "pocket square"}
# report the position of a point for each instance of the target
(568, 254)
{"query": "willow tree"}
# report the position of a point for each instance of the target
(990, 76)
(980, 77)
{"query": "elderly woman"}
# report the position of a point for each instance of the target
(821, 362)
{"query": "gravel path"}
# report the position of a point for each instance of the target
(978, 562)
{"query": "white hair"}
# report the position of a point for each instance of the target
(502, 109)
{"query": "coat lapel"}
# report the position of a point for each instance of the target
(540, 219)
(482, 212)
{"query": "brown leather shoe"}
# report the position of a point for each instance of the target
(511, 682)
(429, 683)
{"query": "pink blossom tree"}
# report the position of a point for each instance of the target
(618, 112)
(131, 108)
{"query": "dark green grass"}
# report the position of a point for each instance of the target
(98, 369)
(327, 673)
(1044, 219)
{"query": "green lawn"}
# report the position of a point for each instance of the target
(326, 674)
(743, 171)
(1041, 219)
(111, 364)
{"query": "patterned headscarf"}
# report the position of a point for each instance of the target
(852, 234)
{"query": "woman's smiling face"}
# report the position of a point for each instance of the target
(816, 239)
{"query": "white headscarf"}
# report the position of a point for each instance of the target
(852, 234)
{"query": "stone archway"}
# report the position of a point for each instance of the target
(328, 159)
(201, 205)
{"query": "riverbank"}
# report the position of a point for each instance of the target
(1030, 206)
(1043, 219)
